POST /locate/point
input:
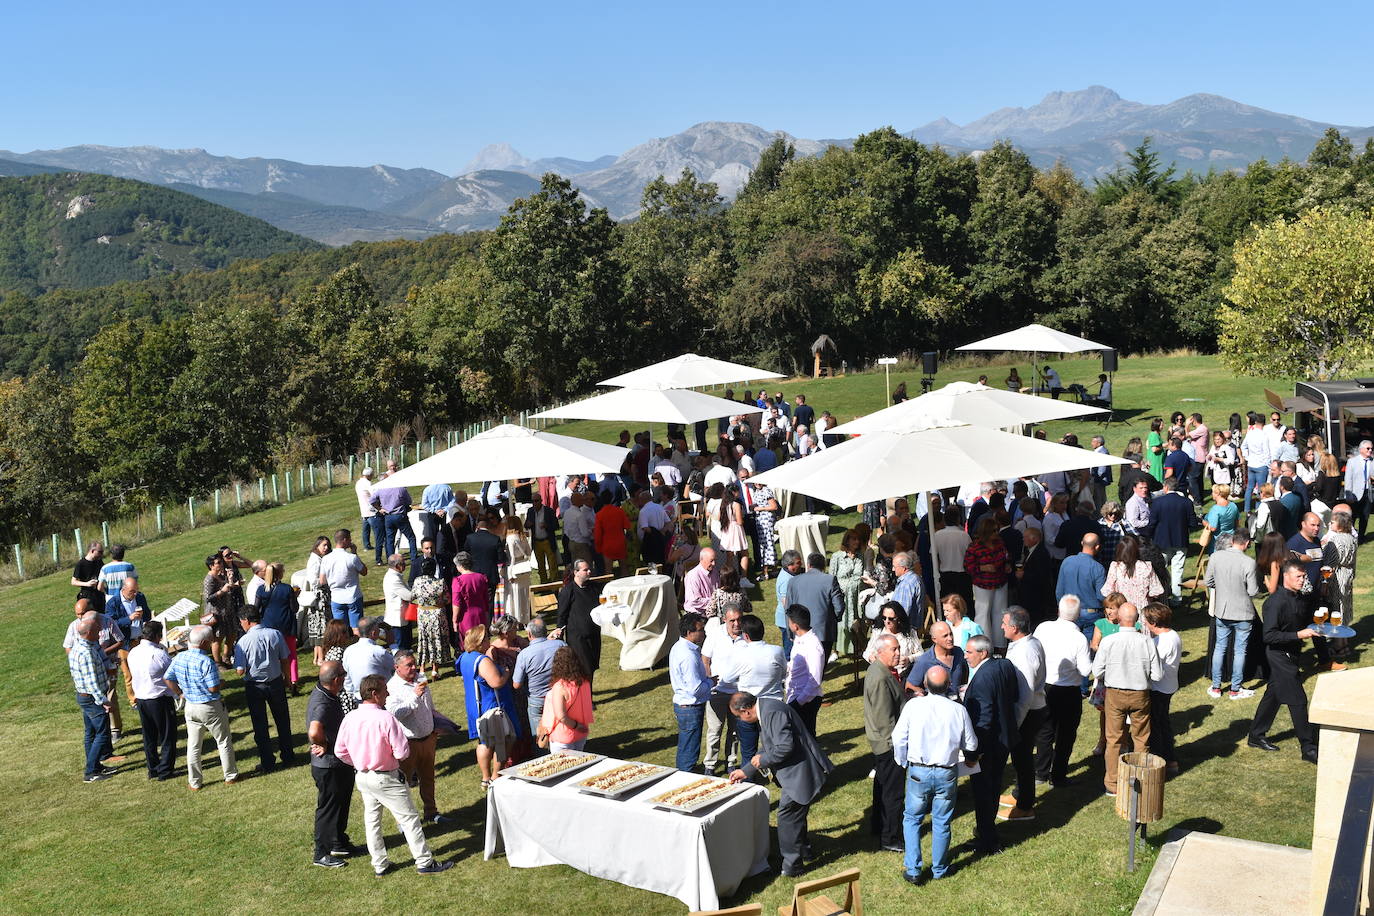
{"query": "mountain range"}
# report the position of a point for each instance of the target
(1090, 130)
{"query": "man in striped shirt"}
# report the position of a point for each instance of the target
(92, 682)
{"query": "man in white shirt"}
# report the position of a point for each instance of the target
(761, 670)
(367, 656)
(1257, 452)
(1127, 663)
(340, 569)
(250, 591)
(950, 544)
(719, 474)
(719, 654)
(409, 700)
(931, 734)
(372, 528)
(1066, 664)
(1028, 656)
(148, 662)
(806, 668)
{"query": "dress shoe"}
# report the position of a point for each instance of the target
(1310, 755)
(1263, 744)
(892, 847)
(385, 870)
(792, 872)
(915, 880)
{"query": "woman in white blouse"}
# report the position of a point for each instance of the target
(520, 571)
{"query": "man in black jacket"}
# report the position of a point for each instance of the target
(1125, 488)
(991, 703)
(1286, 625)
(1036, 578)
(541, 526)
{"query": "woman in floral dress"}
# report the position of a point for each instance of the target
(432, 649)
(847, 566)
(765, 515)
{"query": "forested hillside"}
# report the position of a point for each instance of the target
(73, 230)
(153, 389)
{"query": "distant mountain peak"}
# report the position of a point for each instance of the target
(496, 157)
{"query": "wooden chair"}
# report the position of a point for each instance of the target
(819, 904)
(748, 909)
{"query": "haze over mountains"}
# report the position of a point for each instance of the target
(1090, 130)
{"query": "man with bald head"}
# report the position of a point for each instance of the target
(700, 583)
(194, 676)
(1082, 576)
(883, 699)
(333, 778)
(931, 736)
(91, 678)
(1126, 663)
(943, 653)
(110, 638)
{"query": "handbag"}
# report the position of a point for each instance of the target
(520, 568)
(410, 612)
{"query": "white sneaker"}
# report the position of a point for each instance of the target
(1214, 693)
(1241, 694)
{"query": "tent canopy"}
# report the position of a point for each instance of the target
(689, 371)
(649, 405)
(967, 402)
(943, 454)
(506, 452)
(1035, 338)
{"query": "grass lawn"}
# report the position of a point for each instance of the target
(246, 848)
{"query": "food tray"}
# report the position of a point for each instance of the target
(524, 770)
(650, 773)
(727, 790)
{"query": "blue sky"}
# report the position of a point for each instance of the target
(430, 83)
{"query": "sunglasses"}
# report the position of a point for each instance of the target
(885, 617)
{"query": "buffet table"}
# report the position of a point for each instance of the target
(697, 858)
(641, 612)
(803, 533)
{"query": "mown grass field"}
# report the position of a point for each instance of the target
(133, 844)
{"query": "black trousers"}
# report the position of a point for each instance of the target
(333, 795)
(889, 799)
(262, 696)
(1023, 756)
(1058, 732)
(1161, 729)
(792, 833)
(1284, 688)
(987, 789)
(158, 718)
(808, 711)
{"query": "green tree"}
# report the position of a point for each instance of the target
(1301, 303)
(1011, 236)
(767, 174)
(1141, 173)
(39, 478)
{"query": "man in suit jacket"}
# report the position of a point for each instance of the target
(991, 703)
(1172, 517)
(1036, 578)
(1232, 583)
(1125, 488)
(883, 699)
(541, 526)
(820, 594)
(797, 763)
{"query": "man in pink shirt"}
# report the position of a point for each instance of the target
(1201, 439)
(372, 741)
(700, 583)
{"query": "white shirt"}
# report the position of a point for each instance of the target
(364, 658)
(672, 476)
(1169, 645)
(932, 730)
(579, 522)
(414, 711)
(951, 543)
(1256, 448)
(719, 473)
(746, 463)
(807, 668)
(340, 569)
(364, 490)
(1066, 653)
(721, 653)
(396, 593)
(250, 591)
(148, 662)
(1274, 435)
(1052, 379)
(760, 669)
(652, 515)
(1028, 656)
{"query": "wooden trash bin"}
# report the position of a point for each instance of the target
(1149, 769)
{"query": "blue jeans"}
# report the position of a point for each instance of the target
(689, 724)
(786, 642)
(353, 610)
(374, 535)
(97, 737)
(1087, 619)
(1254, 477)
(1225, 629)
(400, 524)
(928, 789)
(748, 733)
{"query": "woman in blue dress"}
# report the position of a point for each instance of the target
(493, 717)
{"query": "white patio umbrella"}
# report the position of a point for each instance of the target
(939, 454)
(1035, 339)
(967, 402)
(510, 452)
(690, 371)
(649, 405)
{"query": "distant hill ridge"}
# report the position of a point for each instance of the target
(1089, 129)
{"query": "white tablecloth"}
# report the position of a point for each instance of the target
(641, 612)
(789, 503)
(803, 533)
(696, 858)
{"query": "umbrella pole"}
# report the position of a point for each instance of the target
(930, 529)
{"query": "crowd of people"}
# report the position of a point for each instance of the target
(982, 622)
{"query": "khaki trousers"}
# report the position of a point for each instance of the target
(1119, 705)
(421, 763)
(202, 718)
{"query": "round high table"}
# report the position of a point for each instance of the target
(641, 612)
(803, 533)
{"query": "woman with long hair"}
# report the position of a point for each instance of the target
(728, 520)
(568, 713)
(517, 586)
(728, 592)
(493, 717)
(1154, 448)
(1339, 549)
(847, 566)
(277, 602)
(1132, 576)
(220, 611)
(338, 636)
(317, 616)
(1329, 479)
(893, 621)
(987, 564)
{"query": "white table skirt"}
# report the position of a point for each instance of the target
(789, 502)
(696, 858)
(803, 533)
(641, 612)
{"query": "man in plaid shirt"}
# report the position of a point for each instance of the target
(92, 682)
(194, 675)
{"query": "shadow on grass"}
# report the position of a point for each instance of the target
(633, 744)
(643, 685)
